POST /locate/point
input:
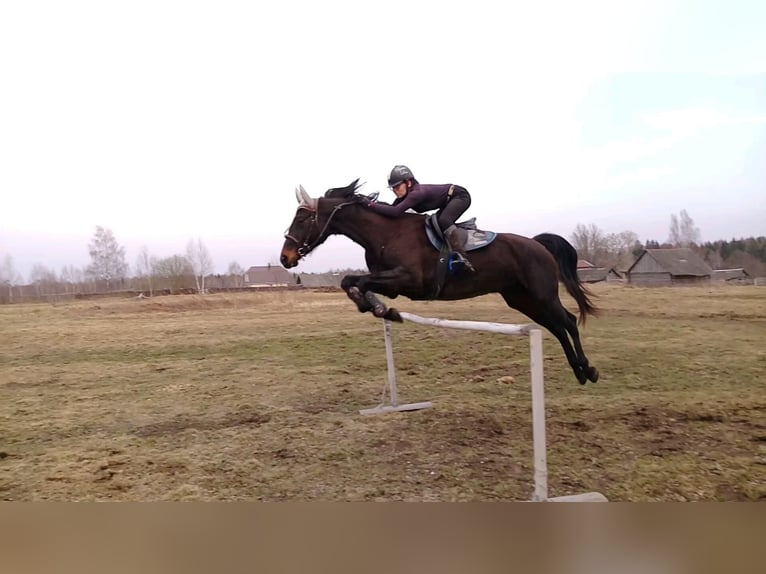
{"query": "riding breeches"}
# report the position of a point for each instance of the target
(458, 203)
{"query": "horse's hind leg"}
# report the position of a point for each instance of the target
(590, 371)
(555, 320)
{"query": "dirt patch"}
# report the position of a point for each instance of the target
(181, 423)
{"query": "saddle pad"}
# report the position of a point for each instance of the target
(476, 238)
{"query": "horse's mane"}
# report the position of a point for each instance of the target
(344, 192)
(350, 191)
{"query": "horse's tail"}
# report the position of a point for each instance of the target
(566, 258)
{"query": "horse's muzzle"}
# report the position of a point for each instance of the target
(289, 258)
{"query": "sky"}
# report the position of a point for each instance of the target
(170, 121)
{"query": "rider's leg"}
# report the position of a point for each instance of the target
(455, 237)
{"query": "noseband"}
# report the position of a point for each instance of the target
(305, 247)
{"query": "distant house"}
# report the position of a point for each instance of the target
(655, 267)
(268, 276)
(323, 280)
(599, 274)
(738, 276)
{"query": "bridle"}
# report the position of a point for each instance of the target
(305, 247)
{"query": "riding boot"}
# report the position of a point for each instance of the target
(455, 238)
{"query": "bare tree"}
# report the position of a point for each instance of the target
(107, 257)
(590, 243)
(175, 271)
(43, 279)
(604, 250)
(752, 264)
(236, 275)
(8, 276)
(683, 232)
(620, 247)
(72, 278)
(145, 267)
(7, 269)
(200, 261)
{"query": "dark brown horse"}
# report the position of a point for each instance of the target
(401, 261)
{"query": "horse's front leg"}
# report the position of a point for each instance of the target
(380, 310)
(388, 283)
(349, 285)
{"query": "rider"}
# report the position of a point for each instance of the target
(451, 201)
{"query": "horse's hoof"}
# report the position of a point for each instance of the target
(593, 374)
(393, 315)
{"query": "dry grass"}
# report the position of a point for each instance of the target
(255, 397)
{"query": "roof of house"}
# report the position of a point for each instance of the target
(584, 264)
(592, 274)
(730, 273)
(269, 275)
(679, 261)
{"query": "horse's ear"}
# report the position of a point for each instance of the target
(304, 198)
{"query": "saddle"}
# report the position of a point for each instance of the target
(476, 238)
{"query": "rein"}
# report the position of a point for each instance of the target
(305, 247)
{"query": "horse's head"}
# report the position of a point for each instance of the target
(311, 225)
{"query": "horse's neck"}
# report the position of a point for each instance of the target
(365, 227)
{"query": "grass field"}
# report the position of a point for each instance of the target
(256, 397)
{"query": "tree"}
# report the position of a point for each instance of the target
(175, 270)
(236, 274)
(43, 279)
(588, 240)
(145, 267)
(605, 250)
(8, 276)
(200, 261)
(620, 247)
(591, 244)
(107, 257)
(71, 277)
(683, 233)
(741, 259)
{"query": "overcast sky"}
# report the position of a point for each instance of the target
(166, 121)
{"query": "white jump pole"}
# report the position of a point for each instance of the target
(538, 394)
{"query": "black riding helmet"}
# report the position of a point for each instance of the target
(399, 174)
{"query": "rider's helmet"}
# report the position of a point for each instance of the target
(399, 174)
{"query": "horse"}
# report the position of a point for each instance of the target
(402, 261)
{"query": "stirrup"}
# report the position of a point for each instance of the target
(458, 263)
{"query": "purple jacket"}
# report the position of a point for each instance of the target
(421, 198)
